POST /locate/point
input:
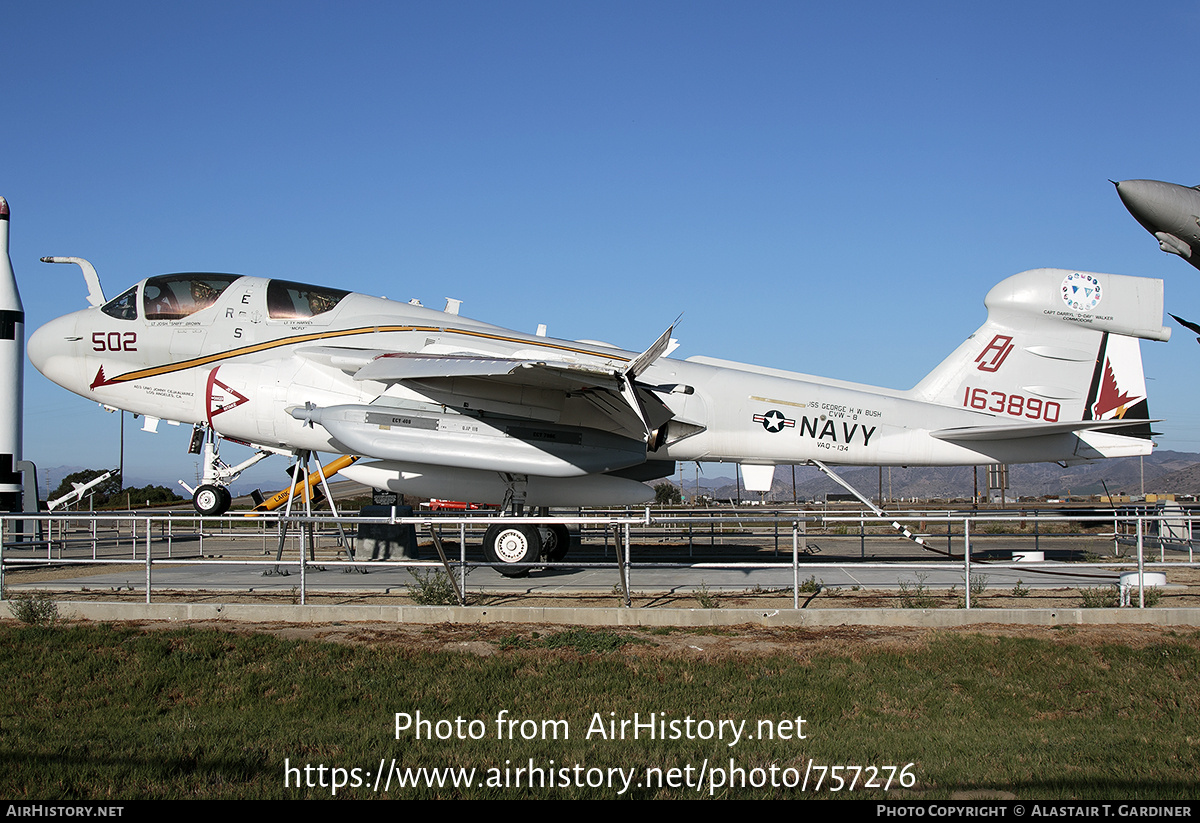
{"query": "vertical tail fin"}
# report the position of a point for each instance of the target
(1058, 345)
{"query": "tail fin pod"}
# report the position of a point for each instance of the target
(1058, 345)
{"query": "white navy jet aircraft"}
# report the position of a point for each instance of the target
(438, 405)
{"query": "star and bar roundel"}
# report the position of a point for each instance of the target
(774, 421)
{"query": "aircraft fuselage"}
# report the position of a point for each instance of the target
(241, 365)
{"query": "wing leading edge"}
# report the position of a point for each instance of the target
(612, 399)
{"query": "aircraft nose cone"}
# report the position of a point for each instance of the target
(1156, 205)
(51, 349)
(38, 347)
(1139, 198)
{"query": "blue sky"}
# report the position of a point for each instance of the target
(830, 188)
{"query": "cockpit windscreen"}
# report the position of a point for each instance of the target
(122, 307)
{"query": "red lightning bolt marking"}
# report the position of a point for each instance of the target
(100, 380)
(1111, 397)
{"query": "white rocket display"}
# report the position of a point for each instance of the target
(12, 356)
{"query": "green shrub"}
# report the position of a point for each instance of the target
(705, 598)
(431, 588)
(34, 609)
(1102, 597)
(916, 596)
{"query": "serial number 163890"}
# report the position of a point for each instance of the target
(1015, 405)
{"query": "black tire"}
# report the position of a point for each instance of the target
(503, 545)
(211, 501)
(556, 542)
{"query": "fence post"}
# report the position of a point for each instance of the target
(304, 563)
(1141, 567)
(627, 567)
(462, 558)
(147, 560)
(966, 555)
(795, 564)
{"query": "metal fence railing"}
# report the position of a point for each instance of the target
(627, 542)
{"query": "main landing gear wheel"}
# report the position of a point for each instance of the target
(503, 545)
(556, 541)
(212, 501)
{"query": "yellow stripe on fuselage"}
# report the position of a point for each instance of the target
(156, 371)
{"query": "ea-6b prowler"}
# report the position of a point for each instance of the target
(438, 405)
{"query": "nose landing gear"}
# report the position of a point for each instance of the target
(212, 498)
(212, 501)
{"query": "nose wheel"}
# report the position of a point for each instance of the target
(212, 498)
(212, 501)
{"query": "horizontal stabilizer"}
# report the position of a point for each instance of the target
(1021, 431)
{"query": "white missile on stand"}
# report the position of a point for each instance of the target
(12, 361)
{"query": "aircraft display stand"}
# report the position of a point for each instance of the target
(306, 528)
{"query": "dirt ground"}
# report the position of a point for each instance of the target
(710, 643)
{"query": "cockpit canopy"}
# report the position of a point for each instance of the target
(287, 300)
(175, 296)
